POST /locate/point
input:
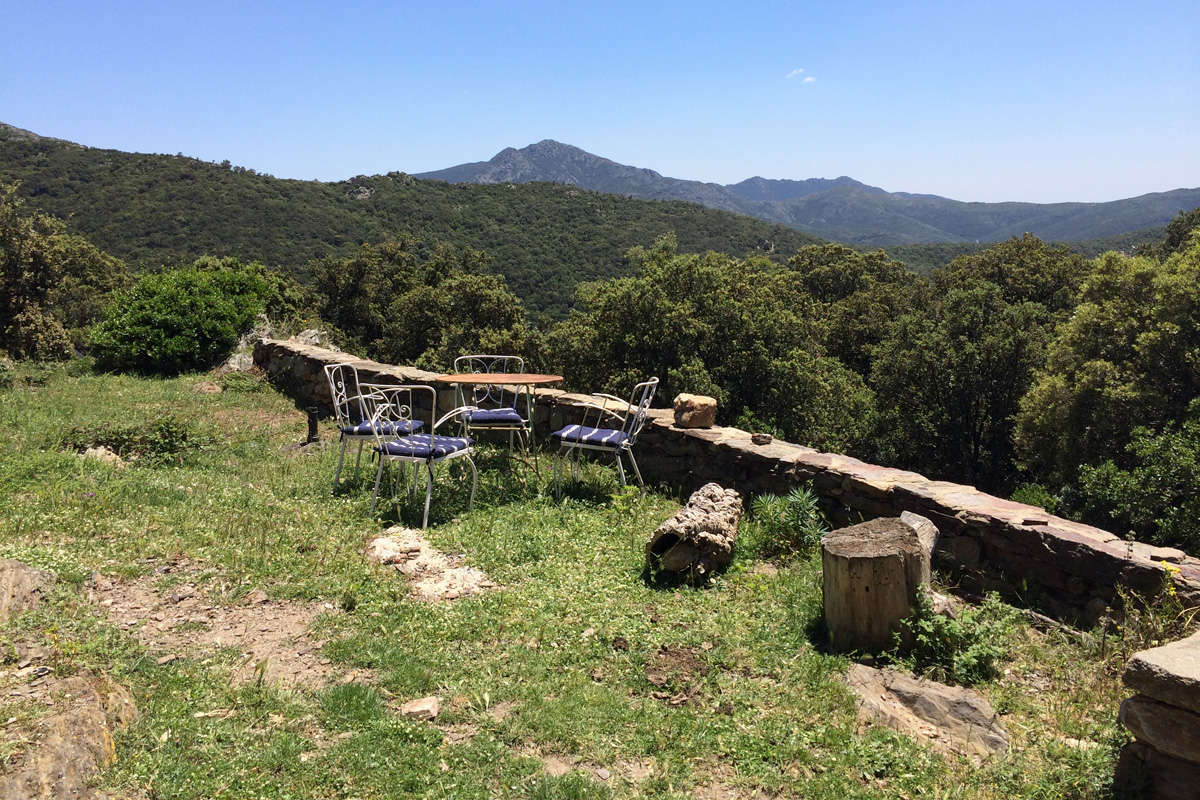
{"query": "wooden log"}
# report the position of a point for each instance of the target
(699, 539)
(871, 573)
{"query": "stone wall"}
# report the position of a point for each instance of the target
(1163, 761)
(1065, 568)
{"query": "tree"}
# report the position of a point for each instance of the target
(52, 285)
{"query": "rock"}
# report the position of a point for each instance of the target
(238, 362)
(761, 438)
(21, 588)
(75, 743)
(314, 337)
(256, 597)
(699, 538)
(424, 708)
(1167, 729)
(103, 454)
(207, 387)
(1170, 673)
(927, 534)
(952, 719)
(1145, 773)
(942, 604)
(695, 410)
(386, 550)
(871, 574)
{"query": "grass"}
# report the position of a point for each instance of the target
(555, 665)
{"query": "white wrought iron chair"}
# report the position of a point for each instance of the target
(354, 406)
(618, 440)
(395, 405)
(496, 404)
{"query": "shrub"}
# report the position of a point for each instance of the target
(180, 320)
(785, 524)
(962, 649)
(37, 335)
(165, 440)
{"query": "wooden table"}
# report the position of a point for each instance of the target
(526, 379)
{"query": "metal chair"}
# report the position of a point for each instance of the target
(395, 405)
(496, 406)
(617, 440)
(354, 406)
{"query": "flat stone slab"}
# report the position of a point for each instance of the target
(21, 587)
(1170, 673)
(952, 719)
(1167, 729)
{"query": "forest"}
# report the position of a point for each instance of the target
(1024, 368)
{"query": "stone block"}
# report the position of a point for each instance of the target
(1145, 773)
(695, 410)
(1170, 673)
(1167, 729)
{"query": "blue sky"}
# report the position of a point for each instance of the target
(977, 101)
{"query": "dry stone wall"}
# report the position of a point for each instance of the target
(1065, 568)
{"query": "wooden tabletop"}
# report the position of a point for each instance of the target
(512, 378)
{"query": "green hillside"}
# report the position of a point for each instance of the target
(544, 238)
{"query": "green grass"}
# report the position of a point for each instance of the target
(554, 664)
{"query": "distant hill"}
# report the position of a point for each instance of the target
(544, 238)
(841, 208)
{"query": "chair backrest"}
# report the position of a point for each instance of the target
(404, 402)
(639, 404)
(348, 403)
(490, 395)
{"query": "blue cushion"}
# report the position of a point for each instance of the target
(385, 428)
(582, 434)
(419, 446)
(493, 416)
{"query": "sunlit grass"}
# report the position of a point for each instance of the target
(562, 648)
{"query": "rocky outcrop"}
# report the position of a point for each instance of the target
(985, 542)
(698, 539)
(1164, 718)
(21, 588)
(952, 719)
(74, 743)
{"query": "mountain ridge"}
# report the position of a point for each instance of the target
(841, 208)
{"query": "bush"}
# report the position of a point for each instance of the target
(786, 524)
(962, 649)
(165, 440)
(180, 320)
(36, 335)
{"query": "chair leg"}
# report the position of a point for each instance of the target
(620, 468)
(474, 482)
(378, 475)
(341, 456)
(637, 473)
(428, 494)
(558, 470)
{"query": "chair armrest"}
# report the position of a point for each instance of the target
(603, 411)
(453, 413)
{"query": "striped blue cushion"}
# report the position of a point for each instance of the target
(419, 446)
(493, 416)
(385, 428)
(584, 435)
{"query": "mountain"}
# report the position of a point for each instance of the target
(840, 208)
(544, 238)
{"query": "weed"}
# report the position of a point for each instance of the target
(164, 440)
(792, 523)
(960, 649)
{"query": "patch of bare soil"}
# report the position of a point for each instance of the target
(434, 576)
(556, 765)
(677, 672)
(69, 745)
(272, 636)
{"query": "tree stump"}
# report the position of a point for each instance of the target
(699, 538)
(871, 573)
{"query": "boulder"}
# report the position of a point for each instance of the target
(695, 410)
(952, 719)
(1167, 729)
(21, 587)
(103, 454)
(1170, 673)
(1146, 773)
(699, 538)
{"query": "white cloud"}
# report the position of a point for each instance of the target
(795, 72)
(810, 79)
